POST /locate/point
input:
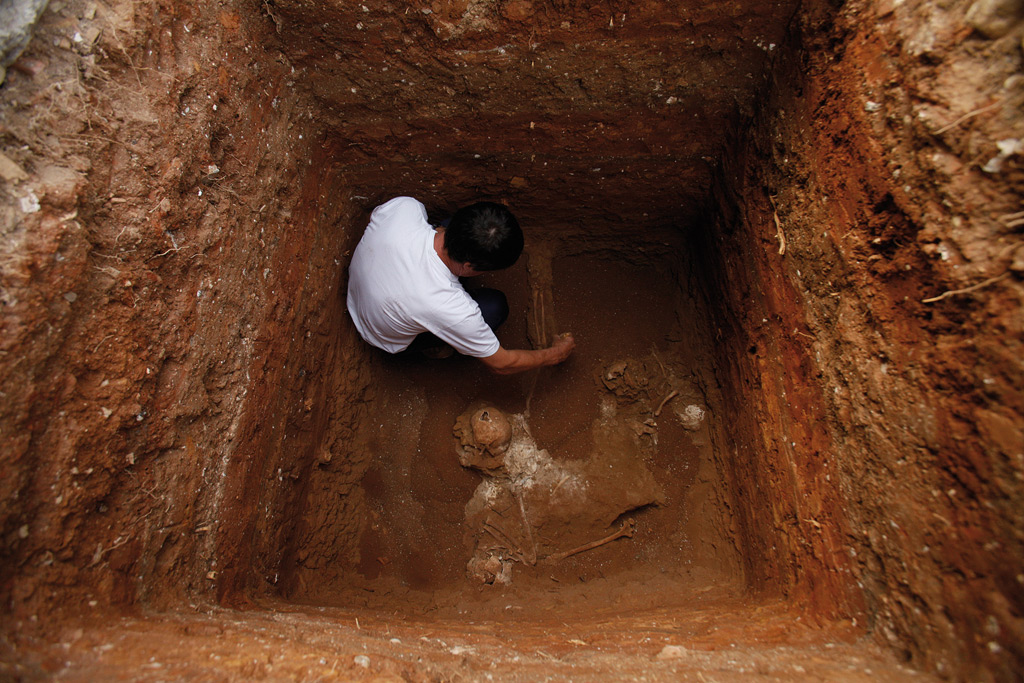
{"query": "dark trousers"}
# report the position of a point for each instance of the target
(493, 305)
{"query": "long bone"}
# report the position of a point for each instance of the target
(530, 559)
(626, 530)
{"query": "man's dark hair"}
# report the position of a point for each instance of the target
(485, 235)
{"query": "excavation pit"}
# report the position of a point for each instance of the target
(786, 237)
(634, 359)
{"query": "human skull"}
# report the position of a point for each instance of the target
(491, 430)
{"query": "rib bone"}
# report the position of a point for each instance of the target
(501, 536)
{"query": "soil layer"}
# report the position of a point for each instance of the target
(787, 237)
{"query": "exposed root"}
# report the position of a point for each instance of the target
(1012, 220)
(968, 115)
(276, 20)
(97, 556)
(965, 290)
(779, 234)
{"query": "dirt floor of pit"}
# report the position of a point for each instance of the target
(627, 311)
(714, 639)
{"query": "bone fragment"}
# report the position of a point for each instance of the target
(531, 559)
(625, 530)
(560, 482)
(498, 534)
(664, 401)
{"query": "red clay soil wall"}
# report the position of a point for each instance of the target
(562, 108)
(178, 204)
(175, 356)
(890, 449)
(170, 307)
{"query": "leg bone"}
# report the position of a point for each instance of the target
(625, 530)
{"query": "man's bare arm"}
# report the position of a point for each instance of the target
(510, 361)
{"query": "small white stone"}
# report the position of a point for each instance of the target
(30, 202)
(1007, 148)
(362, 660)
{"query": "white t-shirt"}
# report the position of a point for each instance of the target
(398, 287)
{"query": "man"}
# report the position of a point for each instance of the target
(403, 283)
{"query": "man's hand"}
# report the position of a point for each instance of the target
(510, 361)
(563, 347)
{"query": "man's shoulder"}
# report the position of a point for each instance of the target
(401, 206)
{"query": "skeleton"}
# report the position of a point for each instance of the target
(524, 488)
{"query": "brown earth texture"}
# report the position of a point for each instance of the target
(787, 236)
